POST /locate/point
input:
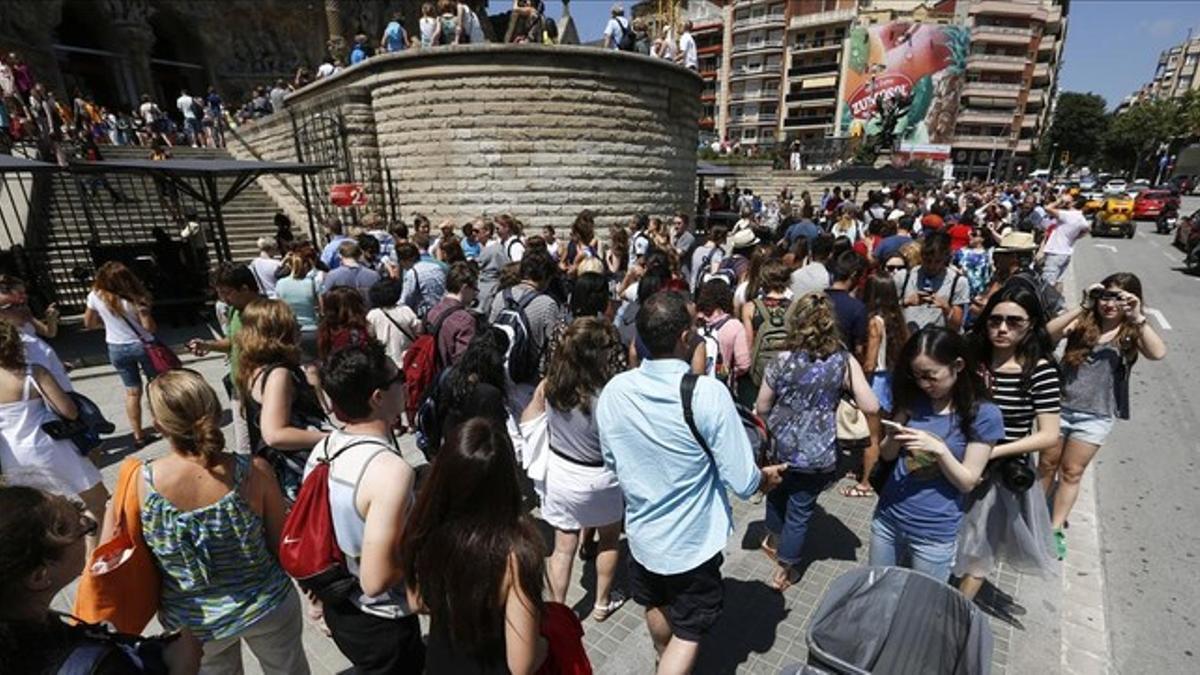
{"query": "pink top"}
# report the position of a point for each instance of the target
(735, 351)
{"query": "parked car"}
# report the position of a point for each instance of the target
(1187, 230)
(1149, 203)
(1115, 218)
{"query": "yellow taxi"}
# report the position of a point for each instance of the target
(1114, 217)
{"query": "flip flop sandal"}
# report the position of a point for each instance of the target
(770, 550)
(856, 491)
(790, 577)
(600, 613)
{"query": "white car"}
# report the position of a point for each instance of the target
(1115, 187)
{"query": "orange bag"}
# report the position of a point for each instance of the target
(121, 584)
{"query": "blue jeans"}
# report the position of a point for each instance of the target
(126, 359)
(789, 508)
(890, 547)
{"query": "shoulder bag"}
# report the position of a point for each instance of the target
(121, 583)
(160, 355)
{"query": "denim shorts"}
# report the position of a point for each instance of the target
(1085, 426)
(1054, 266)
(881, 385)
(126, 358)
(891, 547)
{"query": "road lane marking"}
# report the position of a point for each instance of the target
(1170, 257)
(1155, 244)
(1158, 316)
(1107, 246)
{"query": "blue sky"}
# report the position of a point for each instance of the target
(1112, 45)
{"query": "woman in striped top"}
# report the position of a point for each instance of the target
(1004, 522)
(212, 520)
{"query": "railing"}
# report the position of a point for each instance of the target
(997, 58)
(762, 44)
(822, 18)
(751, 72)
(761, 20)
(822, 94)
(808, 122)
(995, 86)
(817, 44)
(1002, 30)
(810, 68)
(968, 115)
(1000, 142)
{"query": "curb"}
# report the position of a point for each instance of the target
(1085, 644)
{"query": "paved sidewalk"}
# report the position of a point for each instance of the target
(760, 630)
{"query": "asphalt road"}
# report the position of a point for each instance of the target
(1148, 474)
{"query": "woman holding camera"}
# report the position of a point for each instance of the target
(1105, 334)
(1006, 516)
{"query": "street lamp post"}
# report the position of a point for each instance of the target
(1053, 155)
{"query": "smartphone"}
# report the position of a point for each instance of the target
(894, 426)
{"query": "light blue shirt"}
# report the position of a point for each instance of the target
(329, 254)
(677, 514)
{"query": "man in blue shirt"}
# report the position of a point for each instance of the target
(677, 514)
(805, 227)
(891, 245)
(329, 254)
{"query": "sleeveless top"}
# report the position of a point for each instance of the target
(574, 435)
(804, 417)
(1099, 385)
(218, 576)
(305, 412)
(345, 473)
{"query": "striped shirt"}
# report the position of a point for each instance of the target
(218, 577)
(1020, 405)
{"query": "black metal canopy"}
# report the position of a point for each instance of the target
(178, 172)
(12, 164)
(857, 174)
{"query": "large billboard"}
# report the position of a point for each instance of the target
(901, 59)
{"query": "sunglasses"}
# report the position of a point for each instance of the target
(1013, 322)
(894, 268)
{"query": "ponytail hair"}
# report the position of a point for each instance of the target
(188, 413)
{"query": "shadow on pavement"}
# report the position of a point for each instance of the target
(828, 538)
(752, 613)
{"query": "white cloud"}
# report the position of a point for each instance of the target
(1159, 28)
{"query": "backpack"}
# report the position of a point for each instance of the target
(627, 42)
(761, 442)
(522, 357)
(769, 339)
(699, 274)
(714, 362)
(422, 364)
(427, 424)
(308, 548)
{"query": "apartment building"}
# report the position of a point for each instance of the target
(815, 44)
(1011, 81)
(756, 67)
(1178, 71)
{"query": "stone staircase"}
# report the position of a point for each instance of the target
(768, 183)
(248, 217)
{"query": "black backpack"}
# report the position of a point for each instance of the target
(522, 358)
(627, 42)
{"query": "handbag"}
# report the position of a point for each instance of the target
(160, 355)
(121, 583)
(85, 430)
(852, 428)
(565, 653)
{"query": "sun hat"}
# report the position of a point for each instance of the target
(1016, 242)
(743, 238)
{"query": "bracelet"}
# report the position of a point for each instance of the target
(1139, 324)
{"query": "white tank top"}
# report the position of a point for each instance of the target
(345, 473)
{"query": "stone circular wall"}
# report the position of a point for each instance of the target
(539, 132)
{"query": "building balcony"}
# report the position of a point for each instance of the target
(708, 123)
(822, 18)
(997, 62)
(751, 96)
(1029, 122)
(709, 50)
(1041, 72)
(1007, 8)
(709, 73)
(992, 89)
(831, 67)
(754, 120)
(808, 123)
(810, 47)
(1048, 43)
(824, 96)
(983, 116)
(765, 21)
(757, 45)
(972, 142)
(761, 71)
(1004, 35)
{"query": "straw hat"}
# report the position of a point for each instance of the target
(1016, 242)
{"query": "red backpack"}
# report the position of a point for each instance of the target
(308, 548)
(422, 364)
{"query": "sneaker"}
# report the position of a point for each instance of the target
(1060, 544)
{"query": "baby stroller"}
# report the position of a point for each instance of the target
(893, 621)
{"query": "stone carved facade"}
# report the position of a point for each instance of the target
(536, 132)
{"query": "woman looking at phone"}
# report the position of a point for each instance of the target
(943, 435)
(1105, 334)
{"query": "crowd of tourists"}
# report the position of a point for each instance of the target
(625, 385)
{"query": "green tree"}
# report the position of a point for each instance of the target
(1134, 136)
(1080, 123)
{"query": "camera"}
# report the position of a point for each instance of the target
(1103, 294)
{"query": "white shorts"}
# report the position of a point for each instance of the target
(578, 496)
